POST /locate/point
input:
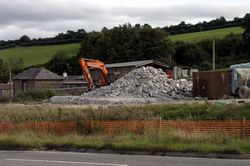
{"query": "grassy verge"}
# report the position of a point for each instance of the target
(149, 141)
(28, 113)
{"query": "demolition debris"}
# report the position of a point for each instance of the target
(145, 82)
(141, 85)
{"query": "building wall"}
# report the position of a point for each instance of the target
(17, 86)
(121, 70)
(35, 85)
(5, 93)
(95, 74)
(46, 84)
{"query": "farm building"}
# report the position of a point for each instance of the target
(5, 90)
(35, 79)
(120, 69)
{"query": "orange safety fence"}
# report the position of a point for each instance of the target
(229, 127)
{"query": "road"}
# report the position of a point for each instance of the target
(44, 158)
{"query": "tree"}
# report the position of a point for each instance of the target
(24, 39)
(2, 69)
(127, 43)
(190, 55)
(16, 64)
(153, 44)
(246, 34)
(88, 46)
(58, 63)
(229, 45)
(4, 74)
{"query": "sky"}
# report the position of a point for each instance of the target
(46, 18)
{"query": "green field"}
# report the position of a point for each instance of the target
(212, 34)
(38, 54)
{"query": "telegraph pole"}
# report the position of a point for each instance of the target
(213, 54)
(11, 90)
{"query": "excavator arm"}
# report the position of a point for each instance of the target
(86, 64)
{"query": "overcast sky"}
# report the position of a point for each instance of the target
(46, 18)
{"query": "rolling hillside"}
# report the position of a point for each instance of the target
(197, 36)
(42, 54)
(38, 54)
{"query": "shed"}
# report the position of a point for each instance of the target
(36, 79)
(120, 69)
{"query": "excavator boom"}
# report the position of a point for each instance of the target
(87, 64)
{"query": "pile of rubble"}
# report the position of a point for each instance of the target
(142, 85)
(145, 82)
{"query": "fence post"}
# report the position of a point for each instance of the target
(243, 126)
(160, 125)
(91, 126)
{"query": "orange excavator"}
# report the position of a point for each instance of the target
(87, 64)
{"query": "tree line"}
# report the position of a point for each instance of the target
(217, 23)
(76, 36)
(61, 38)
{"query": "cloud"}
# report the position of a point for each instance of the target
(38, 11)
(178, 13)
(42, 18)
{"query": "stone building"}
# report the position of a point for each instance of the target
(36, 79)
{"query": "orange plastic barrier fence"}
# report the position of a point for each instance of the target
(230, 127)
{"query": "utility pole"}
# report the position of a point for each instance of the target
(213, 54)
(11, 90)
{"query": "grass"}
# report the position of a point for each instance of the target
(150, 141)
(38, 54)
(197, 36)
(26, 113)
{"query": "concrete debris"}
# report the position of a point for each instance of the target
(145, 82)
(142, 85)
(102, 101)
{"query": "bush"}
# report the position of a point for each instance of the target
(34, 96)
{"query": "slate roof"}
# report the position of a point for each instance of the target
(136, 64)
(37, 74)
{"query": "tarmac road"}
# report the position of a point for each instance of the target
(45, 158)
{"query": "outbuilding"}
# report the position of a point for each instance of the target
(36, 79)
(5, 89)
